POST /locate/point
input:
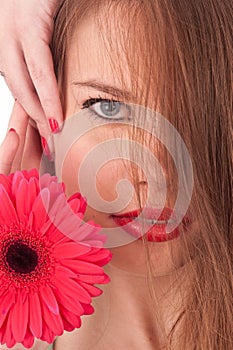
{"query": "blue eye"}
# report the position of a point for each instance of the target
(108, 109)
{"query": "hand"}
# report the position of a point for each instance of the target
(21, 148)
(25, 59)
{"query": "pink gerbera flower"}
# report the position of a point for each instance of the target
(49, 259)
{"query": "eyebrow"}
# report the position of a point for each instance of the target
(112, 90)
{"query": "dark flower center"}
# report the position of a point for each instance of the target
(21, 258)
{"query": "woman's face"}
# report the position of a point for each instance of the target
(90, 76)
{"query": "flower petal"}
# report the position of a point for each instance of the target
(64, 272)
(17, 178)
(71, 318)
(53, 322)
(46, 179)
(33, 190)
(47, 228)
(69, 302)
(30, 173)
(88, 309)
(22, 202)
(82, 293)
(92, 290)
(68, 223)
(59, 204)
(67, 326)
(97, 256)
(70, 250)
(40, 208)
(77, 203)
(35, 315)
(99, 279)
(19, 319)
(5, 181)
(28, 341)
(98, 243)
(7, 210)
(47, 295)
(86, 231)
(6, 302)
(82, 267)
(47, 334)
(10, 342)
(71, 288)
(8, 336)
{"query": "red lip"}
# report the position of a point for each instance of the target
(154, 232)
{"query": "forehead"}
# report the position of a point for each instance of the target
(100, 47)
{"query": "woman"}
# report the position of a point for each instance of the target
(119, 66)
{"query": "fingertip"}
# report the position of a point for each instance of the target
(8, 150)
(12, 131)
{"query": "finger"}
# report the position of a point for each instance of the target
(8, 151)
(33, 156)
(20, 84)
(40, 65)
(18, 121)
(32, 153)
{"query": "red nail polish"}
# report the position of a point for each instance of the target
(46, 148)
(54, 125)
(11, 129)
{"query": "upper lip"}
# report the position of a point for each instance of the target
(158, 214)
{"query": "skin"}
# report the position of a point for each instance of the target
(124, 316)
(26, 61)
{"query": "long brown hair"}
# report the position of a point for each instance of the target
(187, 50)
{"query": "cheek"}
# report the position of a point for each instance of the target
(98, 182)
(71, 165)
(109, 181)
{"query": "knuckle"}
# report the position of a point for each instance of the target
(47, 102)
(18, 95)
(37, 74)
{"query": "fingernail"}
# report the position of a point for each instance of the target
(54, 125)
(12, 129)
(46, 149)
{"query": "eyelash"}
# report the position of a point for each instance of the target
(92, 101)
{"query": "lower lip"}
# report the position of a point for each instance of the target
(156, 232)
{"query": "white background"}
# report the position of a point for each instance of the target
(6, 104)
